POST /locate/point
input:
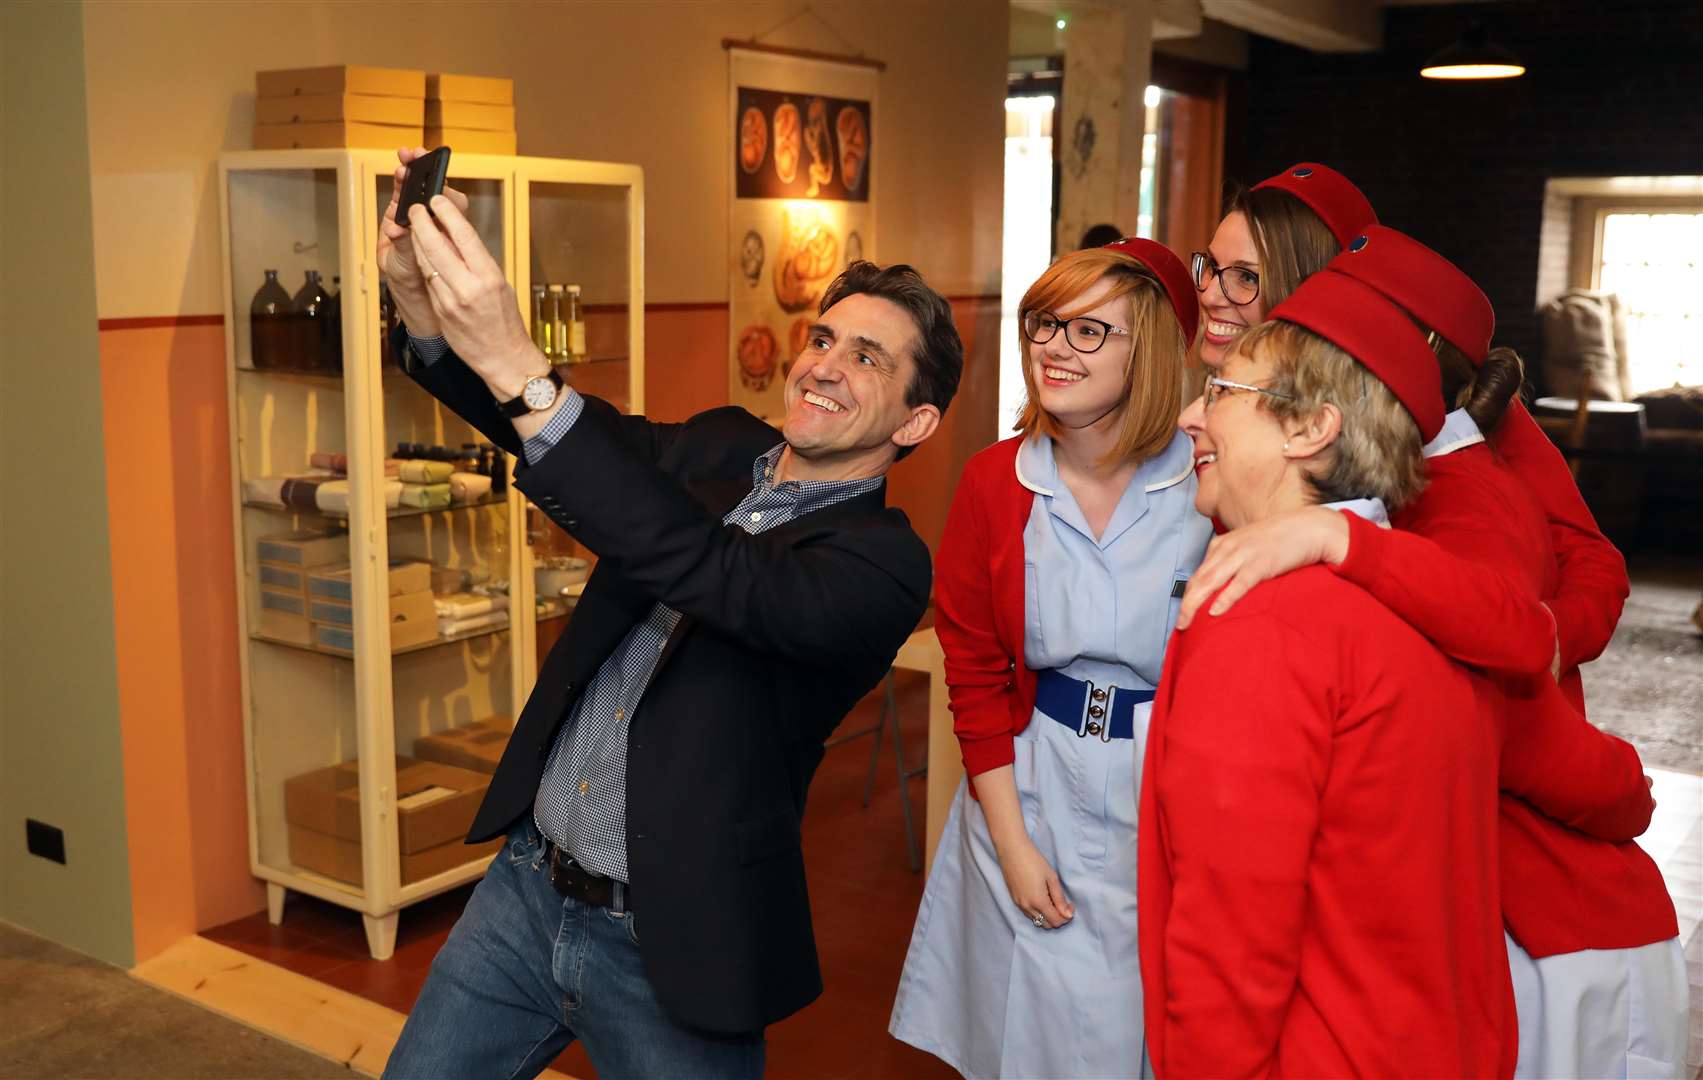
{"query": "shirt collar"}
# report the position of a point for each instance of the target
(1371, 509)
(1459, 432)
(1037, 468)
(809, 494)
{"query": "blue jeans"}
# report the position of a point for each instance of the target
(526, 971)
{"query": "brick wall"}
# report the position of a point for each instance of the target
(1612, 89)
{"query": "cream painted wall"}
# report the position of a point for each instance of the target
(171, 84)
(60, 758)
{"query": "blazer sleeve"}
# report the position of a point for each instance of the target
(980, 682)
(1568, 769)
(1593, 586)
(847, 595)
(1239, 792)
(1469, 609)
(452, 382)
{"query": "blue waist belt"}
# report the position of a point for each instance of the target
(1105, 712)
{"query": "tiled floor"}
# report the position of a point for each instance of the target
(863, 896)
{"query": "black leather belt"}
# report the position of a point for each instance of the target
(594, 890)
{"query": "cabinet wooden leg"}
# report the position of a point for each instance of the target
(381, 934)
(275, 894)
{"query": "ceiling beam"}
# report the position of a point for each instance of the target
(1336, 26)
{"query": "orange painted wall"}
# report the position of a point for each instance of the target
(174, 602)
(174, 581)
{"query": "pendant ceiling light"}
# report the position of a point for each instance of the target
(1474, 56)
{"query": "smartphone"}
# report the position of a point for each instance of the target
(425, 178)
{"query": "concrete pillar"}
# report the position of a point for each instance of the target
(1108, 58)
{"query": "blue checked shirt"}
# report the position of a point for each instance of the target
(582, 801)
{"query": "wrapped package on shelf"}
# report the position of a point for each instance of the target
(327, 108)
(470, 116)
(420, 471)
(467, 487)
(435, 804)
(286, 579)
(426, 496)
(451, 627)
(477, 746)
(341, 79)
(482, 89)
(466, 605)
(337, 133)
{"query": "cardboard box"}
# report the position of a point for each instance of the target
(435, 803)
(477, 746)
(291, 579)
(341, 859)
(469, 114)
(341, 79)
(413, 621)
(334, 134)
(484, 89)
(466, 141)
(317, 108)
(283, 617)
(303, 549)
(333, 582)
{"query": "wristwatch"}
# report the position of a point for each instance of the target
(538, 394)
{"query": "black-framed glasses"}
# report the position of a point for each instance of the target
(1216, 388)
(1085, 335)
(1240, 285)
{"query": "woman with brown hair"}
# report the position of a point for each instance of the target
(1273, 236)
(1063, 551)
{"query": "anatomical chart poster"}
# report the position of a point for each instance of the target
(801, 206)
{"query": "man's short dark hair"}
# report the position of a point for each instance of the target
(939, 354)
(1100, 235)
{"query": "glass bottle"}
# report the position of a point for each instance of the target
(576, 327)
(386, 323)
(271, 319)
(310, 304)
(331, 328)
(540, 321)
(499, 471)
(557, 308)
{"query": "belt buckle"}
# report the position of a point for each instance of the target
(1096, 712)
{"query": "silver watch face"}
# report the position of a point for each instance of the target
(539, 393)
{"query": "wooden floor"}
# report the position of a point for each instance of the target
(863, 895)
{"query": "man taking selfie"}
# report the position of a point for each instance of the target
(750, 589)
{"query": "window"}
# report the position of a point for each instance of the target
(1653, 259)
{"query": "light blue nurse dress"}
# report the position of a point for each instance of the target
(983, 988)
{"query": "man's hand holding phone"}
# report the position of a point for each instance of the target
(444, 281)
(396, 257)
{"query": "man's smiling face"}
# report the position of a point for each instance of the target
(845, 394)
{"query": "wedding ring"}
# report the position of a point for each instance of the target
(433, 276)
(1039, 921)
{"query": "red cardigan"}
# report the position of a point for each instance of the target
(1317, 874)
(1592, 586)
(978, 589)
(1571, 877)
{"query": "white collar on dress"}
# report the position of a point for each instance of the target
(1370, 509)
(1459, 432)
(1037, 469)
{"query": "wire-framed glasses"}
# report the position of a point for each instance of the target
(1217, 388)
(1240, 284)
(1085, 335)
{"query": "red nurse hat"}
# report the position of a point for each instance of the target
(1371, 328)
(1430, 287)
(1340, 205)
(1173, 276)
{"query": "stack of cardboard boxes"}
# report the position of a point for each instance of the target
(471, 114)
(306, 595)
(435, 805)
(341, 106)
(477, 746)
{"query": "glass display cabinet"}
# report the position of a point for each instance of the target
(395, 592)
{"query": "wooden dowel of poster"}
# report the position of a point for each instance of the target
(805, 54)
